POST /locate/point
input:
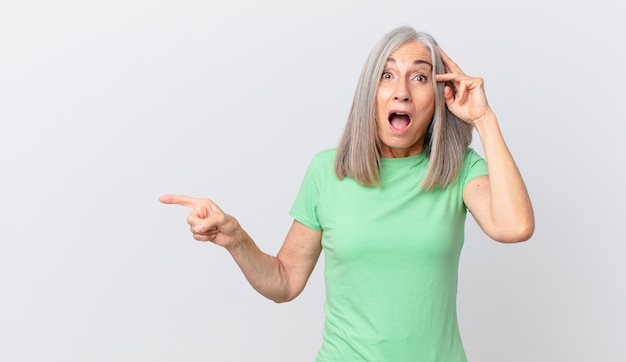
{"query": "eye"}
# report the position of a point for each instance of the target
(420, 78)
(386, 75)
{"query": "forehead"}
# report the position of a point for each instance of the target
(411, 52)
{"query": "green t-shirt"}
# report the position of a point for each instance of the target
(391, 260)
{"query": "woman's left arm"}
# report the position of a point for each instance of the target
(499, 202)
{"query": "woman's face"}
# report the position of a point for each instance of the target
(405, 101)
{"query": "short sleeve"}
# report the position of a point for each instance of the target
(474, 166)
(304, 208)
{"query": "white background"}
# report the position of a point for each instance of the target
(106, 105)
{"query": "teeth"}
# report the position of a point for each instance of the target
(398, 114)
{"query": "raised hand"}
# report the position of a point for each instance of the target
(467, 100)
(207, 221)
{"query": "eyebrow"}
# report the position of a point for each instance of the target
(415, 62)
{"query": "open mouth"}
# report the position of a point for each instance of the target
(399, 121)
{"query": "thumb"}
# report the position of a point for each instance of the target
(207, 216)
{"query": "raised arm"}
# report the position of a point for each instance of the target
(279, 278)
(499, 202)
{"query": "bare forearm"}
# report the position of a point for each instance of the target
(511, 209)
(267, 274)
(264, 272)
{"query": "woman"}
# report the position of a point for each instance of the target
(388, 208)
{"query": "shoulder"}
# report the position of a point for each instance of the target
(324, 158)
(471, 155)
(474, 165)
(322, 166)
(472, 158)
(327, 154)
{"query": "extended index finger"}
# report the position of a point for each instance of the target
(182, 200)
(449, 64)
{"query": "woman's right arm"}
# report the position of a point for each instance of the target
(280, 278)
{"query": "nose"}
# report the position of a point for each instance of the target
(402, 91)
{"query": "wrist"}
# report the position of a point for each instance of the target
(485, 121)
(237, 242)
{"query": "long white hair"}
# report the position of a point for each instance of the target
(447, 137)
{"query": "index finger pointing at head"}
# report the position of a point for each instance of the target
(179, 200)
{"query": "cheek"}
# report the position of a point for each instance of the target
(426, 101)
(380, 121)
(380, 102)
